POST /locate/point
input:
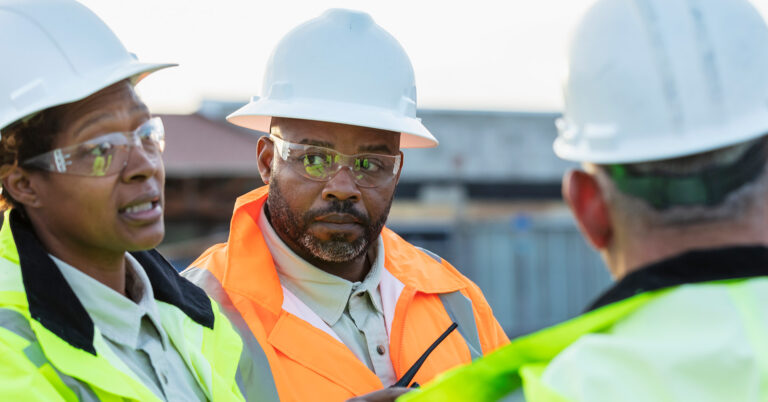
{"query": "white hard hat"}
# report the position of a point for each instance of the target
(343, 68)
(55, 52)
(660, 79)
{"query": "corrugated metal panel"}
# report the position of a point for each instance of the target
(535, 272)
(487, 146)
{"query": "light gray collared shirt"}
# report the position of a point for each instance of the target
(352, 310)
(132, 328)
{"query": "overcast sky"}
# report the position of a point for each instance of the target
(479, 54)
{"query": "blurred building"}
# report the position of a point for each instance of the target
(487, 200)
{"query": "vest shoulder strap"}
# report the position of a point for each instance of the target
(254, 375)
(459, 308)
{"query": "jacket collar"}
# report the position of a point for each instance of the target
(250, 270)
(53, 303)
(691, 267)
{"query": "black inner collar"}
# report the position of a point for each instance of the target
(691, 267)
(53, 303)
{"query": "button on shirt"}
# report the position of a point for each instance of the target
(132, 328)
(352, 309)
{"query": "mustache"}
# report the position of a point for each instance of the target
(338, 207)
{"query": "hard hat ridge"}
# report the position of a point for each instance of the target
(340, 67)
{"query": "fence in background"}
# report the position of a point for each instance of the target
(535, 272)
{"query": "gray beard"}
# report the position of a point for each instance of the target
(334, 250)
(293, 226)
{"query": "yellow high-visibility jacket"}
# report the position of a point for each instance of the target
(690, 328)
(50, 350)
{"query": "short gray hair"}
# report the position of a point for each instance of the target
(635, 210)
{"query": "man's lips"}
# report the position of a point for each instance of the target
(337, 218)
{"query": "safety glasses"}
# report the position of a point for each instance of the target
(321, 164)
(104, 155)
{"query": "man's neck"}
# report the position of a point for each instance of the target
(353, 271)
(642, 249)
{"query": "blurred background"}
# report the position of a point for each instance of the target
(488, 75)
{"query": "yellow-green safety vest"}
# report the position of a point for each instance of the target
(50, 349)
(739, 273)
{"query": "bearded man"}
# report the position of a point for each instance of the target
(340, 305)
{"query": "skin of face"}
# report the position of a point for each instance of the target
(330, 224)
(84, 219)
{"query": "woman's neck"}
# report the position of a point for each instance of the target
(105, 266)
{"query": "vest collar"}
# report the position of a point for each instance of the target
(250, 270)
(691, 267)
(417, 269)
(53, 303)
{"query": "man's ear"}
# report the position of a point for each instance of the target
(18, 184)
(582, 193)
(265, 151)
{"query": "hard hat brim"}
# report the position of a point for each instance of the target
(257, 115)
(67, 92)
(650, 147)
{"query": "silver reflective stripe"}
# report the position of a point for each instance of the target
(459, 308)
(431, 254)
(18, 324)
(35, 354)
(82, 390)
(254, 376)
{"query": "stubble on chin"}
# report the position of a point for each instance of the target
(294, 227)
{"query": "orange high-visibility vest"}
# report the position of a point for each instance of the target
(421, 296)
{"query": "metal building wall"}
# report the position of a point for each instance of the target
(534, 272)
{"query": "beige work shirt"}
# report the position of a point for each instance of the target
(352, 309)
(132, 328)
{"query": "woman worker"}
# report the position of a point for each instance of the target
(88, 311)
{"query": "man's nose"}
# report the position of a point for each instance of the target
(341, 186)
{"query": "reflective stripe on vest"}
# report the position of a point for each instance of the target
(254, 375)
(459, 308)
(15, 322)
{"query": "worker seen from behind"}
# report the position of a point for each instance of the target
(342, 305)
(88, 310)
(666, 106)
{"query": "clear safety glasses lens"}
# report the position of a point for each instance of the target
(104, 155)
(320, 163)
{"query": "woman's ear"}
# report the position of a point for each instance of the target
(19, 185)
(265, 151)
(582, 193)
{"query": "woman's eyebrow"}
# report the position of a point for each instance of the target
(93, 120)
(96, 118)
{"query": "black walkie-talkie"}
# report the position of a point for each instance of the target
(408, 376)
